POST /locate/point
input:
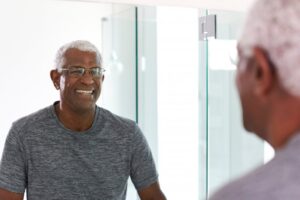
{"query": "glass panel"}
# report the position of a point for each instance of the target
(119, 56)
(168, 114)
(203, 109)
(177, 101)
(147, 76)
(231, 151)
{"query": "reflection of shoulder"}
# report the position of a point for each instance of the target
(32, 119)
(110, 117)
(117, 122)
(31, 122)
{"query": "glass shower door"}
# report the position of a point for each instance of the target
(119, 58)
(230, 150)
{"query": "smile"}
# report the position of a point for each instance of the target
(85, 92)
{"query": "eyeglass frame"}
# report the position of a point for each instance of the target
(83, 69)
(245, 53)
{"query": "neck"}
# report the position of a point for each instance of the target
(75, 121)
(284, 124)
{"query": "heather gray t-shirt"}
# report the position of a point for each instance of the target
(55, 163)
(279, 179)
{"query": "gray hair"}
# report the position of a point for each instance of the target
(81, 45)
(274, 25)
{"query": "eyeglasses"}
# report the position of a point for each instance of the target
(78, 71)
(245, 53)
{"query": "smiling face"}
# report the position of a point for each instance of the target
(78, 94)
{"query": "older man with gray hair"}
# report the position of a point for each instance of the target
(75, 149)
(268, 81)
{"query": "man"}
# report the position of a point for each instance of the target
(74, 149)
(268, 78)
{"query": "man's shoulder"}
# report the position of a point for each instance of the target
(116, 120)
(117, 126)
(32, 119)
(241, 188)
(236, 189)
(275, 177)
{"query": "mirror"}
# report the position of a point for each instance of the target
(159, 74)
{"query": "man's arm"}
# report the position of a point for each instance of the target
(151, 192)
(7, 195)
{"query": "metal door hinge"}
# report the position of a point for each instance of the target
(207, 27)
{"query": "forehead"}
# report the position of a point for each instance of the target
(76, 56)
(240, 48)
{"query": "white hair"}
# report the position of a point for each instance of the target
(274, 25)
(81, 45)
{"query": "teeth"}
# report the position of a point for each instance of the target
(84, 91)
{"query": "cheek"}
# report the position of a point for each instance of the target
(238, 81)
(62, 83)
(66, 84)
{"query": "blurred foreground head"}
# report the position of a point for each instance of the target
(274, 25)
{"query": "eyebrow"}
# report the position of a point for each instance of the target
(79, 66)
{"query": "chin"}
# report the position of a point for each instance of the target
(247, 125)
(85, 108)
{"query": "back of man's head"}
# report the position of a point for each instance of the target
(274, 25)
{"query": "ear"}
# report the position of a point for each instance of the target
(264, 74)
(103, 78)
(55, 77)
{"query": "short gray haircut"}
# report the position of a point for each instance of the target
(81, 45)
(274, 25)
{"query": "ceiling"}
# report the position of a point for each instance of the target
(237, 5)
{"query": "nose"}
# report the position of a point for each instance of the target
(87, 78)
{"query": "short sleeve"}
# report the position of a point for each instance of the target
(143, 171)
(12, 166)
